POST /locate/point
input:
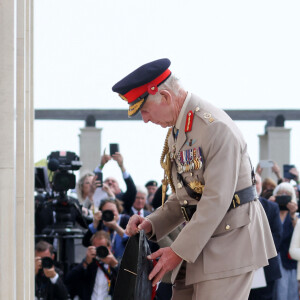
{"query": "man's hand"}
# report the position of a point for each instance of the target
(38, 264)
(110, 260)
(119, 159)
(105, 158)
(276, 170)
(167, 262)
(50, 273)
(108, 190)
(90, 254)
(137, 223)
(294, 172)
(111, 224)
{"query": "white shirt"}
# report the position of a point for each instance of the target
(136, 211)
(100, 291)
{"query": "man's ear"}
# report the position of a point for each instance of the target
(166, 96)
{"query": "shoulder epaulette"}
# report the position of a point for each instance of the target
(204, 115)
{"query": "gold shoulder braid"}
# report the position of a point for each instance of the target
(165, 163)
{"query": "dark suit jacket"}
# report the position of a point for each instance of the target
(45, 289)
(272, 271)
(81, 281)
(146, 212)
(129, 196)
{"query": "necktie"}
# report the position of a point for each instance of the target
(175, 132)
(139, 212)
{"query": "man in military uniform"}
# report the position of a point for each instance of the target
(226, 234)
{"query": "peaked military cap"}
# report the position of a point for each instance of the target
(135, 87)
(151, 183)
(132, 280)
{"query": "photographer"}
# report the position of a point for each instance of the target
(48, 279)
(95, 277)
(128, 196)
(58, 216)
(110, 220)
(271, 271)
(287, 286)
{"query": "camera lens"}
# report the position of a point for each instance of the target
(107, 215)
(102, 251)
(47, 262)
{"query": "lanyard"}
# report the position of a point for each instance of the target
(107, 274)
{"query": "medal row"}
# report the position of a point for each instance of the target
(190, 159)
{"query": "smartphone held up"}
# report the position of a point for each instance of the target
(266, 164)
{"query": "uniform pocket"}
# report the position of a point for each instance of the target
(228, 251)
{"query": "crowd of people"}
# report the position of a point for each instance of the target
(106, 224)
(105, 211)
(280, 200)
(222, 234)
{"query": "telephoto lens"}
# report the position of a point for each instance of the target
(107, 215)
(47, 262)
(102, 251)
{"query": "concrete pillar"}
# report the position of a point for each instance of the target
(16, 156)
(275, 145)
(90, 147)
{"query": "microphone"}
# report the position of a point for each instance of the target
(53, 164)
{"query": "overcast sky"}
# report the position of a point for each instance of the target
(235, 54)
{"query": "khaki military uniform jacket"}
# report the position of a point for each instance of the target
(216, 242)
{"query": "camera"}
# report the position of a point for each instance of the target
(107, 215)
(282, 201)
(61, 162)
(101, 252)
(47, 262)
(56, 200)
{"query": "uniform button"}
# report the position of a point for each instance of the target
(227, 227)
(179, 185)
(185, 202)
(191, 174)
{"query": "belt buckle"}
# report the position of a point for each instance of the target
(236, 200)
(185, 215)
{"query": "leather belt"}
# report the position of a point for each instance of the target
(244, 196)
(239, 198)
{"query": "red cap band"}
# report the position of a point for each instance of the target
(139, 91)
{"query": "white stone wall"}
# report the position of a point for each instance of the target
(16, 155)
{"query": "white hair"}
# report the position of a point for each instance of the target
(141, 189)
(287, 188)
(171, 84)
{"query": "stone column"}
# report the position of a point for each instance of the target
(275, 145)
(16, 156)
(7, 153)
(90, 145)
